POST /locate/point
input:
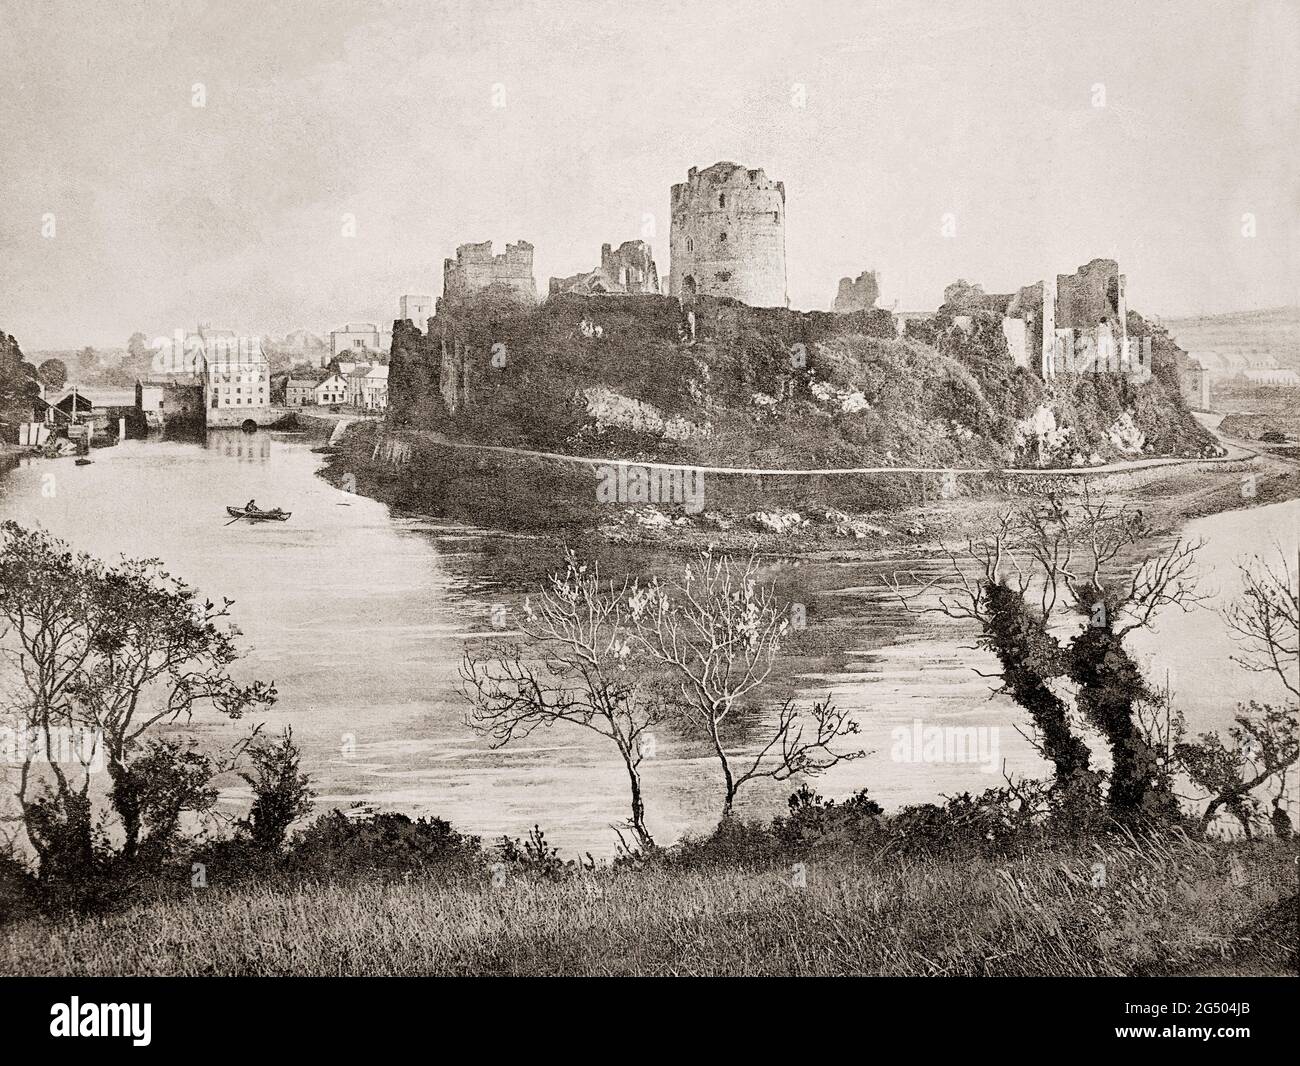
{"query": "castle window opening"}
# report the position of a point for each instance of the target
(722, 199)
(776, 216)
(723, 235)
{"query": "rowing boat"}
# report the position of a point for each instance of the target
(259, 515)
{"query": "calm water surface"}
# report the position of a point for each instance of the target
(359, 615)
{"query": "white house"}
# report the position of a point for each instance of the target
(372, 389)
(334, 389)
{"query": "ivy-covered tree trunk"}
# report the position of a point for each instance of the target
(1030, 657)
(1110, 687)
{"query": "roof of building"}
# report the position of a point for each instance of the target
(301, 383)
(94, 397)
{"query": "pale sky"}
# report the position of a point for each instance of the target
(233, 213)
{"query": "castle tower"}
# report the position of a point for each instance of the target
(727, 236)
(475, 268)
(416, 309)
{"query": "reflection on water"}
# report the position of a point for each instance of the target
(359, 617)
(237, 445)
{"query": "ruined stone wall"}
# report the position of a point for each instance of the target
(727, 236)
(857, 294)
(1016, 332)
(1091, 295)
(630, 270)
(631, 267)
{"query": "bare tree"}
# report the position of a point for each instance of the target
(1266, 620)
(720, 633)
(581, 666)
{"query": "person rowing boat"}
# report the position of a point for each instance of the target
(251, 511)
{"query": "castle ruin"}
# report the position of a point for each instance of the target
(727, 236)
(857, 294)
(1089, 315)
(630, 270)
(475, 269)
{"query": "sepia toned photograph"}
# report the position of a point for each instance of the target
(552, 489)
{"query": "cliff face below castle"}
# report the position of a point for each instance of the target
(640, 377)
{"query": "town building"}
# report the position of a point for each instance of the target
(333, 390)
(236, 378)
(151, 401)
(354, 379)
(103, 410)
(357, 338)
(370, 390)
(300, 392)
(727, 236)
(416, 309)
(348, 367)
(1275, 376)
(1194, 384)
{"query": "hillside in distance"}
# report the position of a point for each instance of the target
(1240, 339)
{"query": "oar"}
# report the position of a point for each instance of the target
(234, 520)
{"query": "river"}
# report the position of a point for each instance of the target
(359, 615)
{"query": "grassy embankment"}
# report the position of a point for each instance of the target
(891, 513)
(1167, 905)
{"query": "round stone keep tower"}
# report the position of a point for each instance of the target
(728, 236)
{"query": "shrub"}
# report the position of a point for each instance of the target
(813, 820)
(281, 794)
(335, 846)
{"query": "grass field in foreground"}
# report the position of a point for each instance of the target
(1166, 906)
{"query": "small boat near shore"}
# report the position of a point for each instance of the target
(258, 515)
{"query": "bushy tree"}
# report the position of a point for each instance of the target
(281, 792)
(54, 373)
(105, 653)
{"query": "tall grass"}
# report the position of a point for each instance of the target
(1127, 906)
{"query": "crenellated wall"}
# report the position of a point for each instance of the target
(475, 268)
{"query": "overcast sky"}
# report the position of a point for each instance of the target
(233, 213)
